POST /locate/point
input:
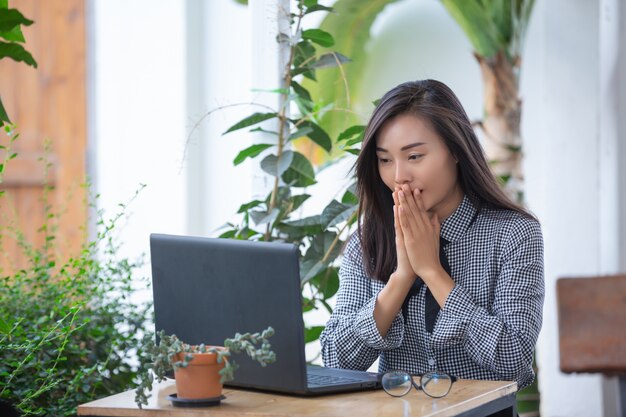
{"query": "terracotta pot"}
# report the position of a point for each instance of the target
(200, 379)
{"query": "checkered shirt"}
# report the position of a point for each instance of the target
(491, 319)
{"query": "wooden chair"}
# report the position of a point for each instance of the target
(592, 327)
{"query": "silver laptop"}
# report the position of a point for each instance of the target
(206, 290)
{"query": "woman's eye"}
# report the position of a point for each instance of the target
(415, 156)
(383, 160)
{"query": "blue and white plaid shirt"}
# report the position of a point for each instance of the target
(492, 317)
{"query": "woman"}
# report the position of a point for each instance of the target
(445, 272)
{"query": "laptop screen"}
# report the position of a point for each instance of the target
(206, 290)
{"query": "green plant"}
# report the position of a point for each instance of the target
(275, 218)
(164, 356)
(11, 21)
(69, 329)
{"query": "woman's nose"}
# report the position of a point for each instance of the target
(403, 175)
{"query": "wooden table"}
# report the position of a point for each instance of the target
(467, 398)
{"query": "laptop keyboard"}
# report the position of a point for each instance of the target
(325, 380)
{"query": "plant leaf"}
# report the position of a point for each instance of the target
(352, 132)
(329, 60)
(327, 281)
(251, 152)
(300, 172)
(247, 206)
(335, 213)
(317, 8)
(250, 121)
(303, 131)
(4, 117)
(262, 217)
(17, 53)
(319, 136)
(313, 333)
(301, 91)
(319, 36)
(475, 20)
(273, 166)
(11, 18)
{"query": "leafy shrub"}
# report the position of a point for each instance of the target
(69, 328)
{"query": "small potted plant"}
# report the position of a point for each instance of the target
(200, 371)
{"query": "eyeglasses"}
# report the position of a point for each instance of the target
(434, 384)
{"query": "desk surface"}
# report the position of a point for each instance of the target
(465, 396)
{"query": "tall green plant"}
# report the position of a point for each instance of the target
(275, 218)
(11, 22)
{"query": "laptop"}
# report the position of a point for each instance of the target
(206, 290)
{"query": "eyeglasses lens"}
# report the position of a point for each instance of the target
(396, 383)
(436, 384)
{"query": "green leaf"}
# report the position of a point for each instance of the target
(298, 229)
(250, 121)
(311, 334)
(10, 18)
(262, 217)
(310, 3)
(304, 54)
(275, 90)
(303, 131)
(349, 197)
(319, 136)
(273, 166)
(317, 8)
(307, 221)
(297, 200)
(475, 20)
(353, 151)
(14, 35)
(251, 152)
(352, 132)
(229, 234)
(309, 269)
(319, 36)
(17, 53)
(327, 281)
(301, 91)
(300, 172)
(332, 59)
(247, 206)
(336, 212)
(4, 117)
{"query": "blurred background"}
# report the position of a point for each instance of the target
(123, 92)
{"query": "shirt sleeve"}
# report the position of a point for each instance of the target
(502, 340)
(351, 339)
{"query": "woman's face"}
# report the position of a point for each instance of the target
(409, 151)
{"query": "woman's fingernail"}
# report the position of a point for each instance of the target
(401, 194)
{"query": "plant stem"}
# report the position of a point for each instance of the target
(282, 120)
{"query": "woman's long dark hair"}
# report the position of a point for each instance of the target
(435, 102)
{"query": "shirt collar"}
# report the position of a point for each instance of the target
(455, 226)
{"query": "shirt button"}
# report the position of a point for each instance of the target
(431, 362)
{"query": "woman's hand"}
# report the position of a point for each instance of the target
(420, 233)
(404, 269)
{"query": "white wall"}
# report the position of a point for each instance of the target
(219, 73)
(136, 115)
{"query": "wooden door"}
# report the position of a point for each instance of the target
(46, 104)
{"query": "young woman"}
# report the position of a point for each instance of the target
(445, 272)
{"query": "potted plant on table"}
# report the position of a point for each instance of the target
(200, 371)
